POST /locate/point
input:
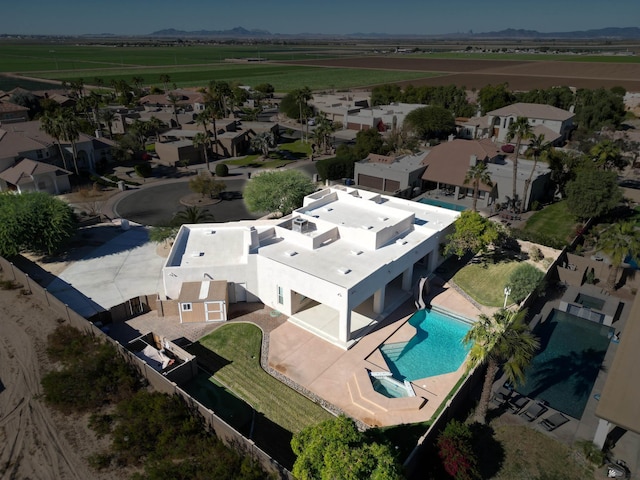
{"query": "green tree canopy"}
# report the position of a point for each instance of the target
(206, 185)
(35, 222)
(492, 97)
(524, 280)
(336, 450)
(593, 193)
(473, 233)
(619, 241)
(277, 191)
(191, 215)
(430, 122)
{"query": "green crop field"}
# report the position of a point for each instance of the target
(537, 57)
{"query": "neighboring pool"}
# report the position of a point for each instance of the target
(590, 302)
(436, 348)
(571, 353)
(441, 204)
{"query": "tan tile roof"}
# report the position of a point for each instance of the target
(620, 398)
(23, 171)
(375, 158)
(533, 110)
(185, 97)
(6, 107)
(12, 143)
(449, 162)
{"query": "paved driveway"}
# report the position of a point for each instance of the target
(156, 205)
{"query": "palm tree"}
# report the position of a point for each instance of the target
(108, 116)
(174, 98)
(191, 215)
(322, 133)
(202, 140)
(538, 149)
(165, 79)
(606, 156)
(503, 340)
(70, 132)
(263, 142)
(520, 130)
(50, 124)
(302, 96)
(476, 175)
(619, 242)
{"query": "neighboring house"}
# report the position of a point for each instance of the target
(12, 113)
(15, 145)
(337, 107)
(390, 174)
(186, 100)
(383, 117)
(32, 176)
(336, 267)
(23, 139)
(178, 151)
(556, 124)
(447, 165)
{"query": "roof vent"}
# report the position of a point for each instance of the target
(367, 227)
(299, 225)
(383, 219)
(197, 254)
(401, 241)
(356, 252)
(344, 270)
(290, 253)
(210, 232)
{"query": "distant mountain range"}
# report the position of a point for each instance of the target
(611, 33)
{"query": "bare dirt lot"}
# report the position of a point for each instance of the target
(520, 75)
(36, 442)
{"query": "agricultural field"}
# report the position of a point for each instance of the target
(320, 67)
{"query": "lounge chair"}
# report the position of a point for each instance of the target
(517, 403)
(534, 410)
(501, 396)
(554, 421)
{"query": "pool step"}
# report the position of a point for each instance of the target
(393, 351)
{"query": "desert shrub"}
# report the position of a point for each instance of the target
(540, 238)
(10, 285)
(101, 424)
(143, 170)
(222, 170)
(335, 168)
(100, 461)
(455, 449)
(93, 373)
(536, 254)
(524, 280)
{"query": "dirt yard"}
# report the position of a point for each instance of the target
(37, 443)
(520, 75)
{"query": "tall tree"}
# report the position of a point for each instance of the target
(520, 130)
(201, 140)
(70, 132)
(538, 149)
(593, 193)
(430, 122)
(476, 175)
(619, 241)
(473, 234)
(302, 96)
(108, 116)
(165, 79)
(322, 133)
(174, 98)
(51, 125)
(502, 340)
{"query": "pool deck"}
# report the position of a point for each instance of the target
(340, 377)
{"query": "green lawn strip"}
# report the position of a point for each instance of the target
(284, 78)
(485, 282)
(553, 221)
(240, 344)
(297, 147)
(529, 453)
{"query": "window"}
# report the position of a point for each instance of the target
(186, 307)
(280, 296)
(39, 153)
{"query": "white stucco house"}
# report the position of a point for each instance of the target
(336, 266)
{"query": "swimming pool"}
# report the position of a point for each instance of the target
(436, 348)
(441, 204)
(590, 302)
(388, 386)
(566, 367)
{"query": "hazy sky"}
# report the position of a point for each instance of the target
(426, 17)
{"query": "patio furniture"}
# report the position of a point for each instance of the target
(618, 469)
(554, 421)
(501, 396)
(534, 410)
(517, 403)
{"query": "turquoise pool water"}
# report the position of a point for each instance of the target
(440, 203)
(566, 367)
(436, 348)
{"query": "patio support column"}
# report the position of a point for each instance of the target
(344, 326)
(457, 192)
(378, 300)
(407, 279)
(433, 260)
(601, 433)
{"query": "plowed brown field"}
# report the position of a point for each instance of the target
(519, 75)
